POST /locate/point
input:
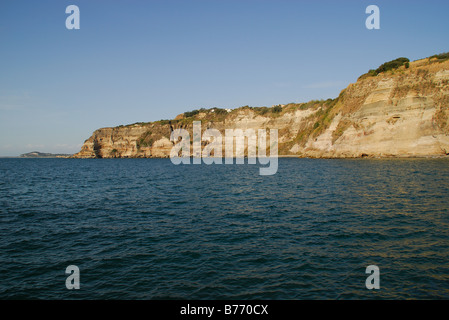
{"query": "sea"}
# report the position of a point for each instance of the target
(142, 229)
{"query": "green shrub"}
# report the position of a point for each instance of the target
(387, 66)
(441, 57)
(313, 104)
(261, 110)
(276, 109)
(390, 65)
(220, 111)
(192, 113)
(144, 143)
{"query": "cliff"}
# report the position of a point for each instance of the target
(391, 112)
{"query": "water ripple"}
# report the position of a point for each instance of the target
(146, 229)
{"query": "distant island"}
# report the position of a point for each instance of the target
(37, 154)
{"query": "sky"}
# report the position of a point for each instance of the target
(139, 61)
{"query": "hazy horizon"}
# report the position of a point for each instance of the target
(139, 61)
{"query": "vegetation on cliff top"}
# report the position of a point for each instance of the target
(399, 62)
(195, 112)
(440, 57)
(387, 66)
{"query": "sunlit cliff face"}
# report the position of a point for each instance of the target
(399, 113)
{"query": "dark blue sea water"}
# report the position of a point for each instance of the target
(147, 229)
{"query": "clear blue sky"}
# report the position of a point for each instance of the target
(136, 61)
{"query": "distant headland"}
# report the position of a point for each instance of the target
(37, 154)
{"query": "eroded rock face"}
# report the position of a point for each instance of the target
(119, 142)
(403, 113)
